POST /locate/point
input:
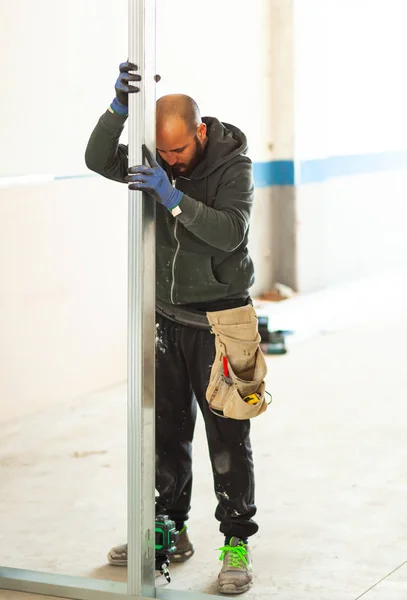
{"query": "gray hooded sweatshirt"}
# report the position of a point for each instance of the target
(201, 255)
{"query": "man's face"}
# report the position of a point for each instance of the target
(180, 148)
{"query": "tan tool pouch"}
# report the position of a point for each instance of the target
(237, 338)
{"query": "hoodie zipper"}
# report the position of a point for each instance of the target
(173, 262)
(175, 257)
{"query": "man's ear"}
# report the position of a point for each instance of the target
(201, 131)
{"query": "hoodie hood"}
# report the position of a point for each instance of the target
(225, 141)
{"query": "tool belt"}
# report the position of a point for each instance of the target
(236, 387)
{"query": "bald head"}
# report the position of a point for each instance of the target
(178, 107)
(181, 134)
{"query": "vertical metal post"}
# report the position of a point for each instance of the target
(141, 314)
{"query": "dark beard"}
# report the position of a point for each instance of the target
(175, 170)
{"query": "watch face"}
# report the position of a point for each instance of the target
(176, 211)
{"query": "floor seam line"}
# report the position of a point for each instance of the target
(381, 580)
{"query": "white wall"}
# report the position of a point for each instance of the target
(350, 228)
(63, 251)
(349, 87)
(58, 64)
(350, 99)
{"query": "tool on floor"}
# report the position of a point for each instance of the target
(272, 342)
(166, 538)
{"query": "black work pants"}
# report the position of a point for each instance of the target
(184, 357)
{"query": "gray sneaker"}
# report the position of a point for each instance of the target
(236, 575)
(185, 548)
(118, 555)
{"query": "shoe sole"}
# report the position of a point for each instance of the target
(182, 557)
(231, 589)
(116, 562)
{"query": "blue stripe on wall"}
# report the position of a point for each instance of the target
(275, 172)
(84, 175)
(314, 171)
(286, 172)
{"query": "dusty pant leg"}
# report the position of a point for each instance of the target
(229, 444)
(175, 423)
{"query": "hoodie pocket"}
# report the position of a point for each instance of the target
(186, 278)
(195, 280)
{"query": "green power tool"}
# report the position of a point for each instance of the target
(166, 538)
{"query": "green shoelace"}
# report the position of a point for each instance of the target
(236, 557)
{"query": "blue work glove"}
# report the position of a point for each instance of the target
(154, 180)
(124, 87)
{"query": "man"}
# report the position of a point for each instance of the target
(203, 186)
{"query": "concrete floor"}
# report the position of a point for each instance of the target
(331, 465)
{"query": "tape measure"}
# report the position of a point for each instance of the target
(252, 399)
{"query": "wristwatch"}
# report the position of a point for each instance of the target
(176, 211)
